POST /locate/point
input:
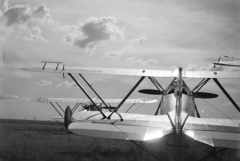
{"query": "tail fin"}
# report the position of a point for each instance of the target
(67, 117)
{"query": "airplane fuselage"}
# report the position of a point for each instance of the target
(177, 142)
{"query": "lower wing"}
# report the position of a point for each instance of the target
(133, 127)
(214, 132)
(77, 100)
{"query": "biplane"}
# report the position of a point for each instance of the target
(176, 116)
(224, 64)
(85, 104)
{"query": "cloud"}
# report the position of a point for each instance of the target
(194, 67)
(92, 31)
(3, 5)
(67, 84)
(35, 34)
(139, 40)
(22, 15)
(117, 54)
(35, 37)
(133, 60)
(44, 83)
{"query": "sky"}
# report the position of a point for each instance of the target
(154, 34)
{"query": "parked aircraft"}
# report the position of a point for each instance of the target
(176, 117)
(86, 103)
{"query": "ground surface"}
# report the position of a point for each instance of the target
(41, 140)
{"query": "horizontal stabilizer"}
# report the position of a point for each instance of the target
(214, 132)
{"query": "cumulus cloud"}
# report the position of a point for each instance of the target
(35, 34)
(139, 40)
(35, 37)
(67, 84)
(92, 31)
(134, 60)
(194, 67)
(20, 15)
(117, 54)
(44, 83)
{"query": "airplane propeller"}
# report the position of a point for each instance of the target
(205, 95)
(67, 117)
(151, 91)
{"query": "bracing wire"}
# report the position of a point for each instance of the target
(221, 112)
(139, 106)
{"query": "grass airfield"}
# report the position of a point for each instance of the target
(49, 141)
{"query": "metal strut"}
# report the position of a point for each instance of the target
(157, 111)
(59, 106)
(154, 83)
(75, 107)
(155, 80)
(94, 91)
(55, 108)
(120, 104)
(201, 84)
(225, 92)
(104, 116)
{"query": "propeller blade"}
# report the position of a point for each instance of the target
(205, 95)
(67, 117)
(151, 91)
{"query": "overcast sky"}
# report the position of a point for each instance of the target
(155, 34)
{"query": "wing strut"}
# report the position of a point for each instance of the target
(225, 92)
(120, 104)
(156, 83)
(60, 107)
(104, 116)
(94, 91)
(198, 115)
(200, 85)
(157, 111)
(75, 107)
(56, 109)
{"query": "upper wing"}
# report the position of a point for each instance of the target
(138, 72)
(133, 127)
(77, 100)
(214, 132)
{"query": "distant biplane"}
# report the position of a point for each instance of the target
(224, 64)
(176, 117)
(86, 104)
